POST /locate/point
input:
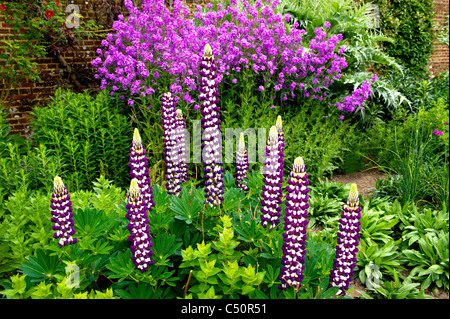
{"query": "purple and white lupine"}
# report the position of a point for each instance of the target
(212, 135)
(170, 137)
(61, 210)
(272, 191)
(347, 243)
(279, 126)
(182, 147)
(241, 164)
(295, 224)
(141, 241)
(139, 169)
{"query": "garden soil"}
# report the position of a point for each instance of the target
(365, 180)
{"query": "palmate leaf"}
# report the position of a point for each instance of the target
(186, 206)
(122, 267)
(139, 291)
(164, 246)
(42, 267)
(91, 222)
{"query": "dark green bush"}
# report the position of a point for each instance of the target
(409, 23)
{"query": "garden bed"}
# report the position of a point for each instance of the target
(198, 170)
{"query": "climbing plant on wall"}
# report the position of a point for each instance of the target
(410, 23)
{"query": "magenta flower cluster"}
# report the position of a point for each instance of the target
(358, 97)
(154, 42)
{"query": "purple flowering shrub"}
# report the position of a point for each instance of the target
(155, 48)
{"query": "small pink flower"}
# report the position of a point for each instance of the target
(327, 24)
(341, 117)
(234, 81)
(446, 123)
(374, 77)
(272, 107)
(437, 133)
(196, 107)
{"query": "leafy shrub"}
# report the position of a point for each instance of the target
(84, 134)
(410, 24)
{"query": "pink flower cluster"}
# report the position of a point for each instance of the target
(154, 42)
(358, 97)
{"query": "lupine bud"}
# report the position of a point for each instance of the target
(141, 241)
(182, 147)
(61, 210)
(212, 135)
(295, 224)
(347, 243)
(139, 169)
(241, 164)
(272, 191)
(279, 126)
(169, 125)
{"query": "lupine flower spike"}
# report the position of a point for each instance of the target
(169, 125)
(295, 224)
(279, 126)
(347, 243)
(182, 144)
(61, 206)
(212, 136)
(139, 169)
(272, 191)
(241, 164)
(141, 241)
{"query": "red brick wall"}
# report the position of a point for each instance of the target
(53, 74)
(439, 60)
(22, 99)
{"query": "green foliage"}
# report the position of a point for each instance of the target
(430, 260)
(414, 156)
(82, 134)
(398, 290)
(409, 23)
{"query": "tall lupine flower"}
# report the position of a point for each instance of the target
(295, 224)
(347, 242)
(141, 241)
(61, 206)
(169, 125)
(182, 145)
(272, 190)
(279, 126)
(139, 169)
(241, 164)
(212, 136)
